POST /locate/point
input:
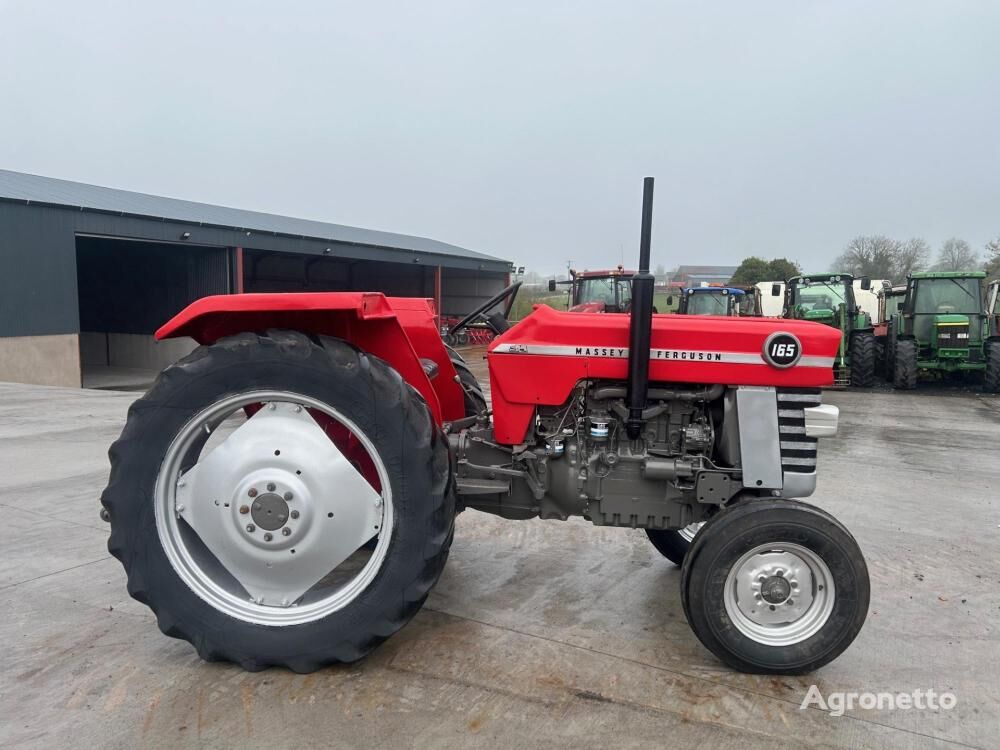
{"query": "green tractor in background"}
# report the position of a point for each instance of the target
(945, 326)
(829, 299)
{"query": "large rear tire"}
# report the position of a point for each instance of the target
(905, 365)
(863, 359)
(991, 378)
(325, 447)
(889, 361)
(775, 587)
(880, 349)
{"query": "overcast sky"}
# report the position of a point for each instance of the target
(524, 129)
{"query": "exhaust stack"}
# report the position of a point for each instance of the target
(641, 322)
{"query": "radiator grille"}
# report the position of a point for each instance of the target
(953, 337)
(798, 452)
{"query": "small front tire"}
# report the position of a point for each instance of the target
(775, 587)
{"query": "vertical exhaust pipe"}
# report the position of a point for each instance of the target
(641, 321)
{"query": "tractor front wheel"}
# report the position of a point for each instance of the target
(905, 364)
(775, 587)
(280, 500)
(863, 359)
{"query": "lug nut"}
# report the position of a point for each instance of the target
(288, 496)
(268, 537)
(252, 492)
(294, 514)
(251, 528)
(244, 509)
(270, 486)
(286, 531)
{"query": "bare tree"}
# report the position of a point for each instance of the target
(881, 257)
(992, 266)
(913, 256)
(869, 255)
(956, 255)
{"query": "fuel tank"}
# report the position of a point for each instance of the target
(541, 359)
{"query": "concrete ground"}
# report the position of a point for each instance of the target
(117, 378)
(539, 634)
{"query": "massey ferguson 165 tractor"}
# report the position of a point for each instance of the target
(945, 327)
(286, 494)
(829, 299)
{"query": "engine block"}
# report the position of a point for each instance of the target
(692, 456)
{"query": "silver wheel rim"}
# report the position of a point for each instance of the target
(688, 532)
(203, 517)
(779, 594)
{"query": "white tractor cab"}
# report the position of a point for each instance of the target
(772, 303)
(867, 299)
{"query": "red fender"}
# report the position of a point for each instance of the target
(400, 330)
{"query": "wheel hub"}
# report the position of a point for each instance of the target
(775, 589)
(779, 594)
(269, 511)
(275, 508)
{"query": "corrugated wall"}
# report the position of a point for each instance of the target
(37, 271)
(133, 287)
(462, 291)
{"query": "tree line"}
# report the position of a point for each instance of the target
(881, 257)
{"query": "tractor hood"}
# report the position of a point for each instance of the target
(542, 358)
(822, 315)
(951, 320)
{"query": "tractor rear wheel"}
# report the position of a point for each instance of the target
(863, 359)
(775, 587)
(279, 500)
(889, 361)
(991, 378)
(905, 364)
(880, 346)
(674, 544)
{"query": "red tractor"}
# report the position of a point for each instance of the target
(286, 494)
(599, 291)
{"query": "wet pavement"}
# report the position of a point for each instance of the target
(540, 633)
